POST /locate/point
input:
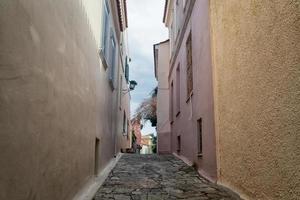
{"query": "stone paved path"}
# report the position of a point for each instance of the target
(153, 177)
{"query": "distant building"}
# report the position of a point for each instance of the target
(136, 128)
(161, 63)
(147, 144)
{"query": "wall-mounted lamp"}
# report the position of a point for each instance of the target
(132, 85)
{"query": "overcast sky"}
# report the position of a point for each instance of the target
(145, 28)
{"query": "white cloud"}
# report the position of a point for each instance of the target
(148, 129)
(145, 24)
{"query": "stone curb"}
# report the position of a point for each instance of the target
(91, 187)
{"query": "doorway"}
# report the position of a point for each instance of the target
(97, 150)
(178, 144)
(199, 137)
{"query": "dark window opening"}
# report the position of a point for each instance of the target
(178, 144)
(97, 149)
(200, 146)
(112, 61)
(178, 90)
(189, 66)
(171, 102)
(124, 123)
(126, 70)
(105, 29)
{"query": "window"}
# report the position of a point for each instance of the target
(112, 60)
(171, 102)
(177, 19)
(105, 35)
(178, 144)
(97, 149)
(189, 66)
(178, 90)
(126, 69)
(121, 45)
(127, 133)
(124, 123)
(199, 124)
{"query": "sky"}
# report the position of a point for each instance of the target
(145, 28)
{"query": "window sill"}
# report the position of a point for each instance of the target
(103, 59)
(200, 155)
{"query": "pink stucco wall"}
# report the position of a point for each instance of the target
(200, 105)
(161, 59)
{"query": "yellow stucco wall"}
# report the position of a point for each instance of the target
(256, 64)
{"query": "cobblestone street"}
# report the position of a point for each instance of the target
(153, 177)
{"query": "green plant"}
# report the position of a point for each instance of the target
(154, 144)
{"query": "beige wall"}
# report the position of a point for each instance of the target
(55, 98)
(256, 48)
(163, 104)
(123, 139)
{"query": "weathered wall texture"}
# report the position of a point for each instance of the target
(163, 104)
(256, 56)
(54, 98)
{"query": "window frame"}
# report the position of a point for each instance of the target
(177, 20)
(189, 66)
(127, 129)
(178, 92)
(178, 144)
(200, 137)
(171, 103)
(126, 70)
(105, 34)
(112, 60)
(124, 123)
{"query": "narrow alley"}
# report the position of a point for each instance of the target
(154, 177)
(149, 99)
